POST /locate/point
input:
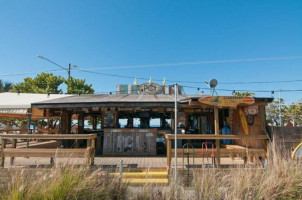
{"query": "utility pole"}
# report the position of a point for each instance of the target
(280, 116)
(69, 67)
(175, 133)
(64, 68)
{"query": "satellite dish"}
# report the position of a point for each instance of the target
(213, 83)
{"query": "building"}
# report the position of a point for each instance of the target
(142, 124)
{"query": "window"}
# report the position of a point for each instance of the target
(155, 123)
(136, 122)
(123, 123)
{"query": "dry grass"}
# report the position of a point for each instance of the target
(282, 179)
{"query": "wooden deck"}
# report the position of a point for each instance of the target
(113, 162)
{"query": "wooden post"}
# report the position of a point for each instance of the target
(268, 153)
(102, 119)
(14, 145)
(169, 149)
(52, 162)
(94, 122)
(216, 125)
(3, 145)
(81, 123)
(92, 151)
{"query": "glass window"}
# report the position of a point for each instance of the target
(123, 123)
(136, 122)
(154, 122)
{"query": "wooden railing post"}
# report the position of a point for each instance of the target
(3, 145)
(169, 149)
(92, 151)
(216, 125)
(14, 145)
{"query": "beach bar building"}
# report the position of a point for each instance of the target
(141, 123)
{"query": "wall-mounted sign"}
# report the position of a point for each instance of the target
(243, 120)
(251, 110)
(226, 101)
(149, 88)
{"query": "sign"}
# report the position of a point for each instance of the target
(251, 110)
(226, 101)
(150, 88)
(243, 121)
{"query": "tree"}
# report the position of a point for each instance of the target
(294, 113)
(42, 83)
(5, 86)
(76, 86)
(273, 112)
(48, 83)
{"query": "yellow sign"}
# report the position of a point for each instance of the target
(226, 101)
(243, 121)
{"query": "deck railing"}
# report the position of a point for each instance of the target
(170, 137)
(37, 152)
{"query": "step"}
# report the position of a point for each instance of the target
(142, 175)
(146, 181)
(145, 169)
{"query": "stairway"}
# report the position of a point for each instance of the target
(152, 176)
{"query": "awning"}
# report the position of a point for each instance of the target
(17, 105)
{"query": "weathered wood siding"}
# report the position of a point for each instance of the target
(287, 138)
(255, 129)
(129, 141)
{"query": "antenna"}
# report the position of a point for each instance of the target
(213, 84)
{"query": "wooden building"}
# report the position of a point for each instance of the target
(142, 124)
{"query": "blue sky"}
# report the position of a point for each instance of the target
(98, 34)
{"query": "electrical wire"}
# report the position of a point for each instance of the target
(25, 73)
(210, 89)
(181, 81)
(196, 63)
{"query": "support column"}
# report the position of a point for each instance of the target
(102, 119)
(65, 127)
(94, 122)
(81, 123)
(28, 126)
(216, 125)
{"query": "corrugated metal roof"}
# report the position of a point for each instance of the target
(24, 100)
(104, 98)
(119, 98)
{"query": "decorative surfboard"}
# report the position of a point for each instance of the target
(297, 153)
(226, 101)
(243, 121)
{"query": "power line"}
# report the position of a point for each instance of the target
(261, 82)
(200, 88)
(177, 64)
(171, 81)
(25, 73)
(193, 82)
(196, 63)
